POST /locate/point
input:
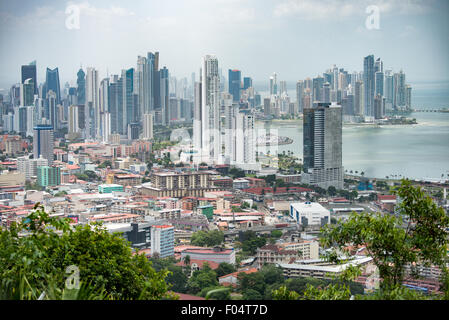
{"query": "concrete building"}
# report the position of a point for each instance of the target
(163, 240)
(109, 188)
(217, 255)
(323, 146)
(320, 269)
(309, 214)
(43, 142)
(29, 166)
(179, 184)
(287, 252)
(48, 176)
(148, 126)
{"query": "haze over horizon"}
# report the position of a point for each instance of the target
(296, 39)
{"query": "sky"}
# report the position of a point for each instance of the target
(294, 38)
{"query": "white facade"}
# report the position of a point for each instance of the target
(309, 214)
(210, 111)
(240, 138)
(29, 166)
(148, 121)
(73, 119)
(163, 240)
(92, 124)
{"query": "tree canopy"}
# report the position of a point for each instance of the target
(39, 250)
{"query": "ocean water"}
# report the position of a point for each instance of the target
(418, 151)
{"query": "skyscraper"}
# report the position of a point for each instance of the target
(317, 85)
(164, 79)
(29, 72)
(210, 110)
(52, 110)
(116, 104)
(379, 83)
(235, 80)
(27, 92)
(52, 83)
(358, 99)
(379, 107)
(273, 84)
(73, 119)
(323, 146)
(299, 95)
(247, 83)
(148, 126)
(128, 110)
(368, 84)
(92, 109)
(81, 90)
(43, 142)
(408, 97)
(399, 90)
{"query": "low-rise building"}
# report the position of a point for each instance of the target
(48, 176)
(320, 269)
(109, 188)
(217, 254)
(287, 252)
(309, 214)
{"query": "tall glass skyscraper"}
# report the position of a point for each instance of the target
(81, 90)
(247, 83)
(368, 84)
(164, 79)
(235, 79)
(29, 72)
(322, 146)
(52, 83)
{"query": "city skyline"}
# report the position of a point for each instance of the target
(242, 42)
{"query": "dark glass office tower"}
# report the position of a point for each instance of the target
(322, 146)
(81, 90)
(164, 80)
(317, 85)
(52, 83)
(368, 85)
(29, 72)
(247, 83)
(235, 79)
(128, 99)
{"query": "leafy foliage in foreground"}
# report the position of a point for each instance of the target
(35, 253)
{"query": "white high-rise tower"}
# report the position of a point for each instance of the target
(92, 107)
(210, 111)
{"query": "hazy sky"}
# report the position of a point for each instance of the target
(295, 38)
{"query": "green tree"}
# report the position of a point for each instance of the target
(276, 233)
(416, 235)
(105, 261)
(177, 279)
(204, 278)
(210, 239)
(254, 281)
(284, 294)
(105, 164)
(332, 191)
(251, 294)
(224, 268)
